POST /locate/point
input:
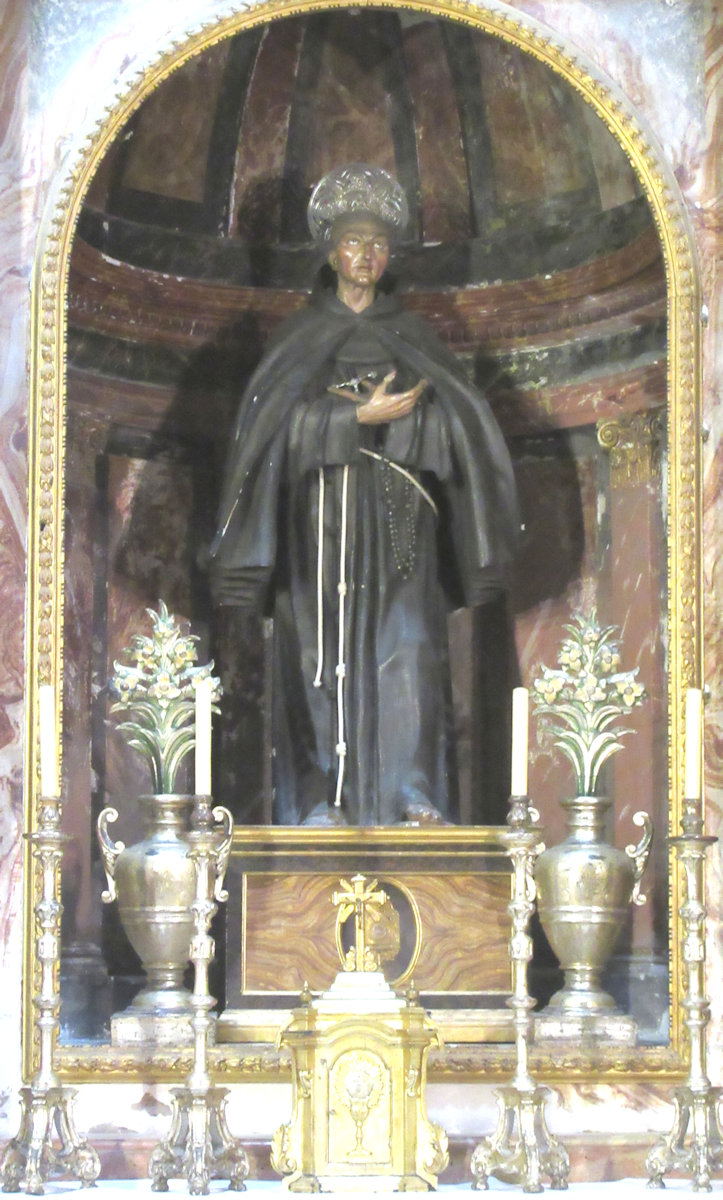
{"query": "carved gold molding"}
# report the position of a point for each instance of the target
(464, 1062)
(634, 443)
(47, 405)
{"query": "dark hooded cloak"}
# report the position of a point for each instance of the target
(426, 508)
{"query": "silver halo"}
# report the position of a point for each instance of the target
(356, 188)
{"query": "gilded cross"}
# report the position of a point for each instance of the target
(356, 897)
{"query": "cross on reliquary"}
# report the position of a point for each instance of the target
(357, 896)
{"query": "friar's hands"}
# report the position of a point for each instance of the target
(379, 404)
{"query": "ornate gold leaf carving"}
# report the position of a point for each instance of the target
(634, 443)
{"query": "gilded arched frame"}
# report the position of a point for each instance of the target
(48, 388)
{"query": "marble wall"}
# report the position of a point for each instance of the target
(61, 66)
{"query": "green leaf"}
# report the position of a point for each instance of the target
(600, 759)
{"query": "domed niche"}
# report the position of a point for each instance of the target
(532, 252)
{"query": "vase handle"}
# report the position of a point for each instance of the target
(109, 850)
(640, 853)
(222, 816)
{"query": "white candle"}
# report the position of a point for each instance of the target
(693, 742)
(204, 688)
(49, 782)
(520, 720)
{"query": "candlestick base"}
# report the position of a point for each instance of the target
(696, 1111)
(523, 1158)
(200, 1146)
(696, 1103)
(31, 1158)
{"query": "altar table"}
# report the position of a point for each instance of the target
(622, 1189)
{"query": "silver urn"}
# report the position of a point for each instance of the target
(154, 883)
(584, 890)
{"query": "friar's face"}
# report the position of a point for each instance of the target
(360, 251)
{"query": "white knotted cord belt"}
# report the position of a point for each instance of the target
(341, 665)
(320, 584)
(341, 592)
(341, 588)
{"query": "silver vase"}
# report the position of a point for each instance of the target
(584, 890)
(154, 883)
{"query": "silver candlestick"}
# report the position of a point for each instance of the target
(33, 1156)
(199, 1146)
(696, 1102)
(521, 1149)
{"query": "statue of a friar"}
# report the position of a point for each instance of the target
(368, 491)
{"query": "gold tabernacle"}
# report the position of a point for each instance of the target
(359, 1070)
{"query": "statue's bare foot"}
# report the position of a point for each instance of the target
(325, 815)
(421, 812)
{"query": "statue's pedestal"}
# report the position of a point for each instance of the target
(359, 1120)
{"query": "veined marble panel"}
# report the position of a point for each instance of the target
(653, 50)
(430, 85)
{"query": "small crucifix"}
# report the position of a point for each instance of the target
(364, 900)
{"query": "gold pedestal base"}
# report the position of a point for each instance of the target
(699, 1112)
(199, 1147)
(31, 1158)
(526, 1158)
